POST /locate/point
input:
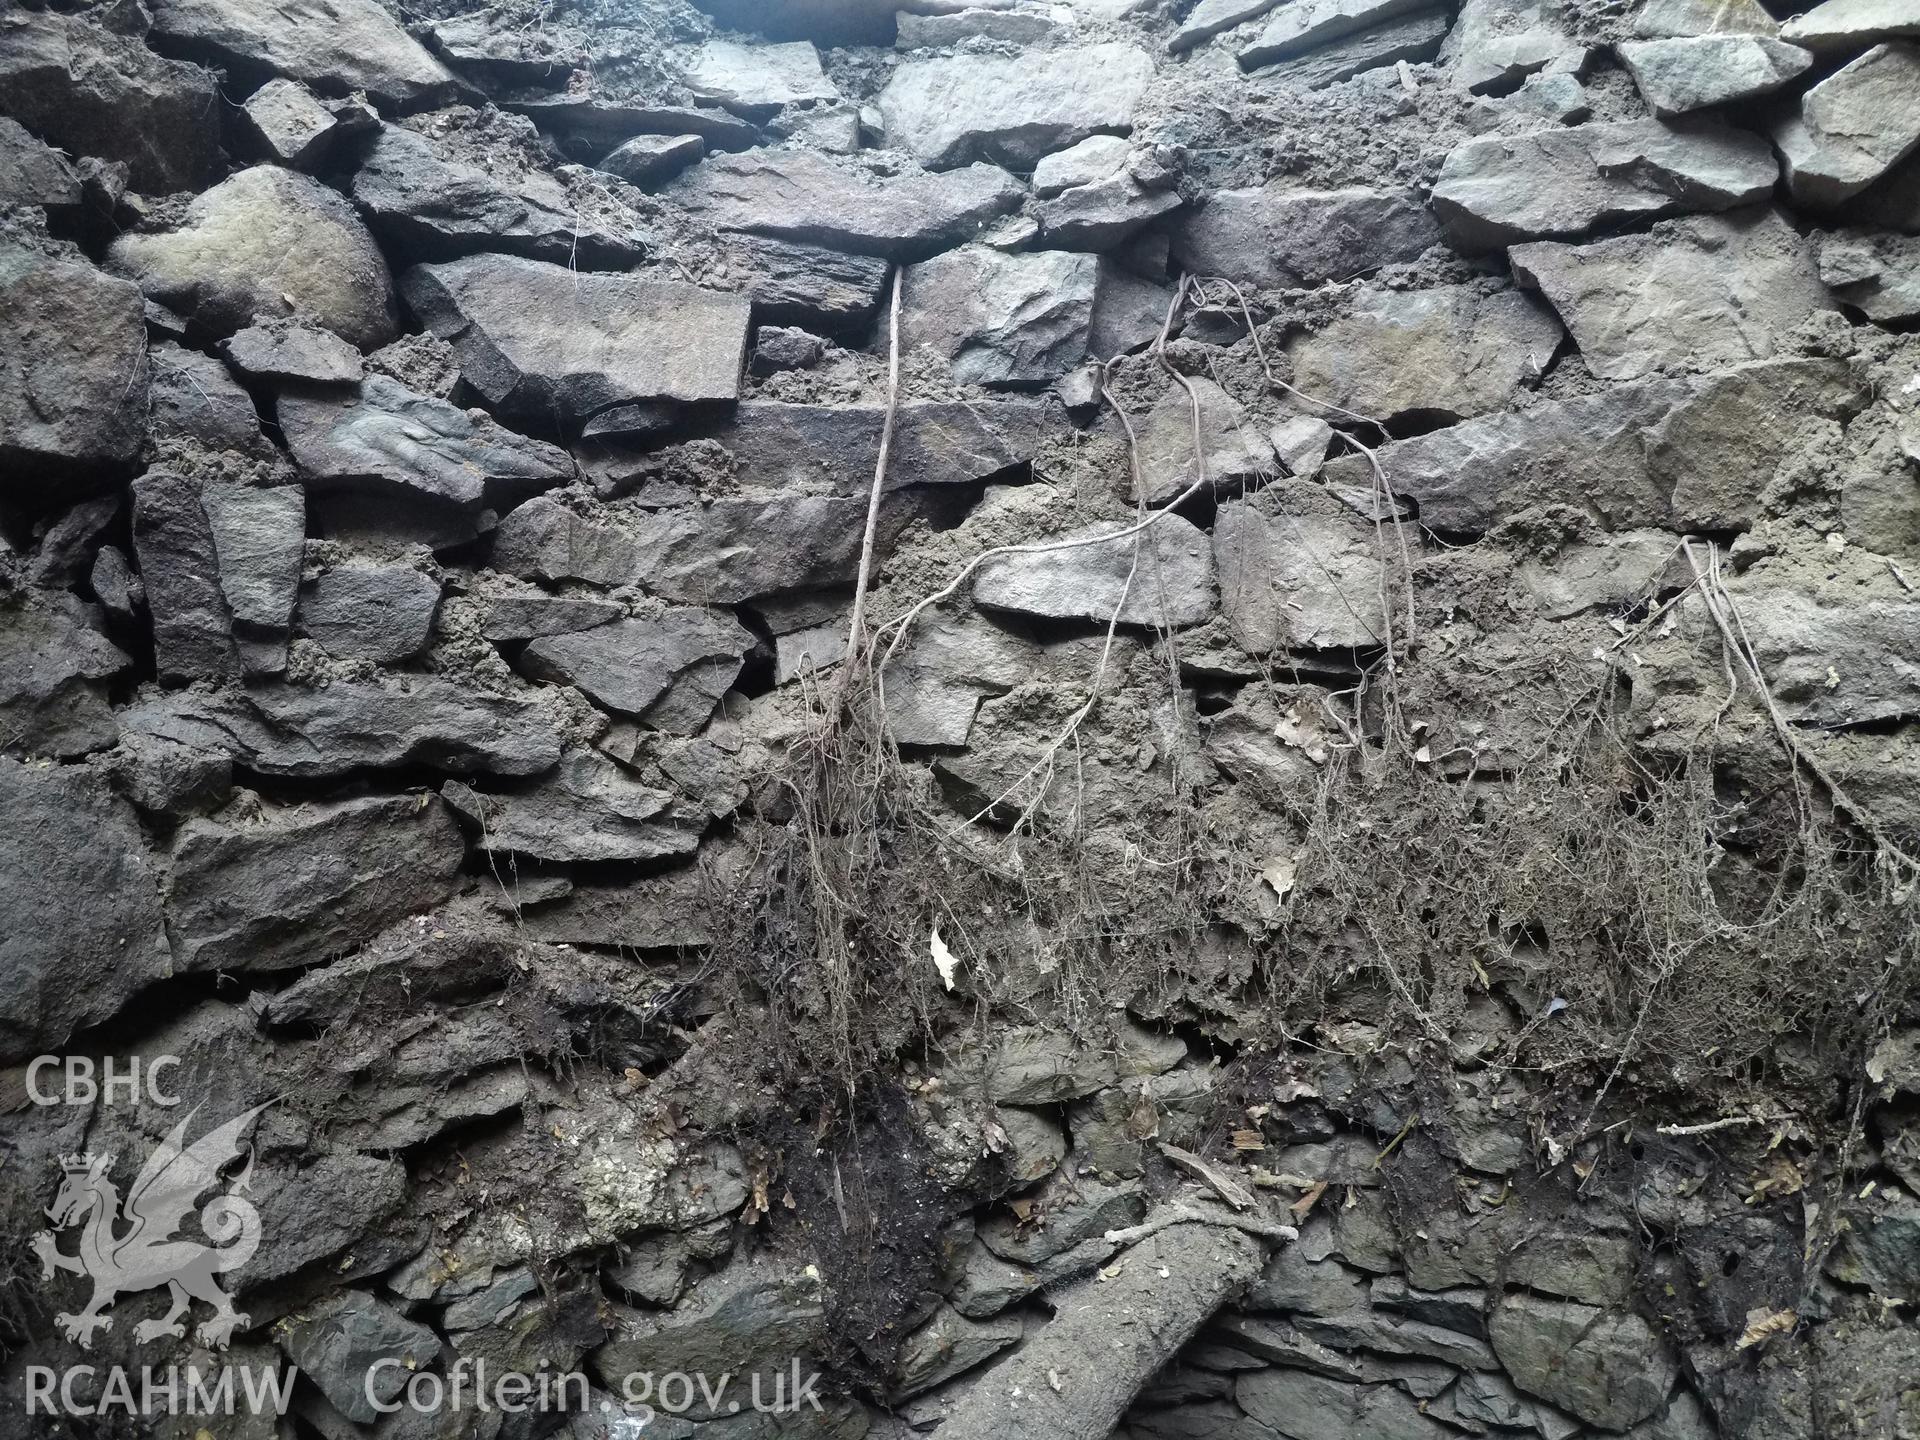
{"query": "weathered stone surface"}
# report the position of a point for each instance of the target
(1830, 660)
(668, 672)
(1607, 1367)
(806, 285)
(1012, 110)
(1289, 239)
(1877, 274)
(1852, 24)
(590, 809)
(259, 536)
(1100, 215)
(536, 339)
(1307, 581)
(1234, 454)
(757, 80)
(1498, 44)
(293, 352)
(1497, 190)
(720, 554)
(1453, 350)
(1681, 75)
(806, 197)
(1615, 571)
(93, 91)
(1002, 319)
(290, 124)
(429, 203)
(300, 734)
(358, 46)
(1694, 293)
(598, 123)
(648, 160)
(949, 1344)
(382, 613)
(1214, 17)
(1171, 585)
(1306, 24)
(192, 396)
(1589, 451)
(830, 449)
(1414, 37)
(528, 617)
(53, 666)
(357, 1351)
(1659, 19)
(32, 173)
(1100, 1366)
(1096, 158)
(384, 437)
(1853, 127)
(1305, 1406)
(173, 540)
(306, 885)
(80, 923)
(266, 242)
(73, 375)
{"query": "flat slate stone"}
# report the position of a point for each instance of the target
(54, 669)
(1681, 75)
(722, 553)
(1853, 127)
(73, 373)
(588, 810)
(34, 173)
(1307, 24)
(293, 352)
(306, 885)
(1013, 110)
(266, 242)
(667, 671)
(757, 80)
(1498, 190)
(590, 119)
(1214, 17)
(1101, 215)
(803, 196)
(380, 613)
(1609, 1368)
(831, 449)
(356, 46)
(1171, 585)
(1289, 239)
(1659, 19)
(536, 339)
(1299, 576)
(648, 160)
(806, 285)
(1852, 24)
(1003, 319)
(1708, 290)
(1235, 456)
(303, 734)
(382, 436)
(1415, 37)
(1452, 350)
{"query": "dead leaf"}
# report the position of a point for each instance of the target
(1763, 1324)
(943, 959)
(1279, 872)
(1249, 1140)
(1307, 1201)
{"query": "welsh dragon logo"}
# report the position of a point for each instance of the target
(130, 1247)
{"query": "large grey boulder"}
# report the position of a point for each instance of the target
(810, 198)
(1162, 577)
(1681, 75)
(301, 734)
(718, 554)
(352, 45)
(95, 91)
(1289, 238)
(53, 672)
(538, 340)
(831, 449)
(1607, 1367)
(73, 373)
(1000, 319)
(1297, 575)
(266, 242)
(306, 885)
(1499, 189)
(590, 809)
(1013, 110)
(1454, 350)
(668, 671)
(1876, 273)
(1694, 294)
(221, 567)
(1307, 24)
(1853, 127)
(80, 922)
(1842, 25)
(383, 437)
(430, 203)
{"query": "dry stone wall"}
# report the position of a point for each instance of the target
(1326, 440)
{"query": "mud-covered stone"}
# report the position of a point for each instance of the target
(1164, 576)
(1288, 238)
(537, 339)
(1607, 1367)
(1298, 575)
(192, 396)
(1233, 453)
(800, 449)
(266, 242)
(32, 173)
(381, 613)
(590, 809)
(308, 884)
(54, 669)
(358, 46)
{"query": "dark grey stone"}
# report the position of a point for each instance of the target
(668, 671)
(382, 613)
